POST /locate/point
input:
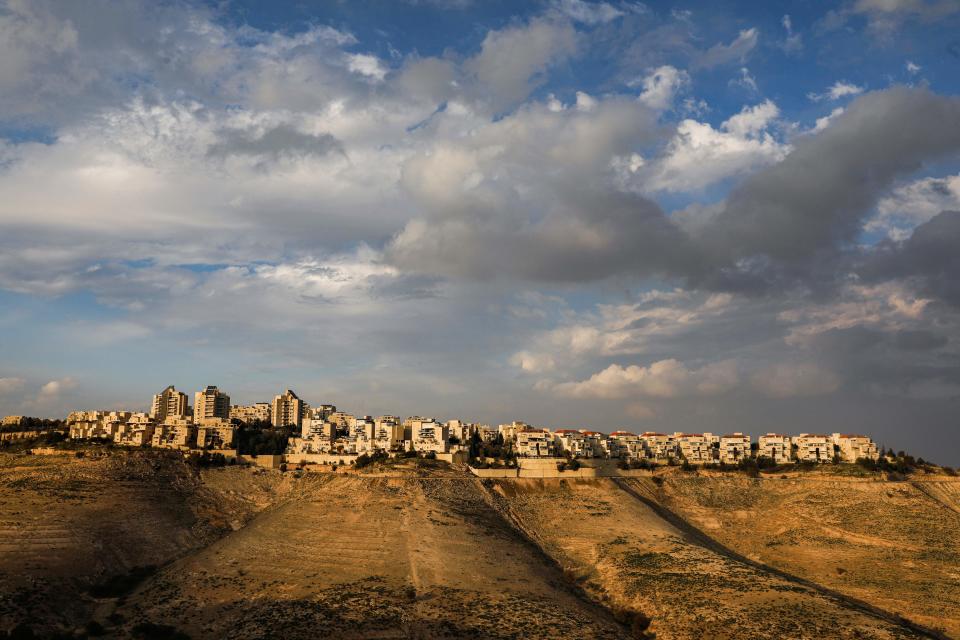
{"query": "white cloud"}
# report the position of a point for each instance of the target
(736, 51)
(746, 82)
(52, 390)
(839, 89)
(661, 85)
(588, 12)
(824, 122)
(912, 68)
(914, 203)
(366, 65)
(792, 42)
(700, 155)
(662, 379)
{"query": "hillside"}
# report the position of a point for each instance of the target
(428, 551)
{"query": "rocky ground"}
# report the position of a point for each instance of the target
(141, 544)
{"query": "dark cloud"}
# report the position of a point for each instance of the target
(281, 140)
(818, 196)
(919, 340)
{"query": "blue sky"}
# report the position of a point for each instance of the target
(715, 216)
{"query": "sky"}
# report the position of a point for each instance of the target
(710, 216)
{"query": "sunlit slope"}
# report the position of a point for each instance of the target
(893, 544)
(625, 555)
(374, 558)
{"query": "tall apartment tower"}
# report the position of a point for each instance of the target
(169, 403)
(288, 409)
(210, 404)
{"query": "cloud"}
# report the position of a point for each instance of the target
(792, 42)
(815, 199)
(367, 65)
(53, 389)
(699, 155)
(661, 85)
(277, 141)
(512, 60)
(736, 51)
(800, 379)
(663, 379)
(911, 204)
(11, 385)
(838, 90)
(912, 68)
(591, 13)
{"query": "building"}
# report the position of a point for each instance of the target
(250, 414)
(854, 447)
(430, 435)
(137, 431)
(210, 404)
(89, 425)
(624, 444)
(13, 421)
(169, 403)
(288, 410)
(734, 447)
(534, 443)
(509, 431)
(574, 442)
(696, 448)
(658, 447)
(774, 446)
(175, 433)
(216, 435)
(814, 447)
(388, 433)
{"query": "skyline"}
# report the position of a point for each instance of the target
(598, 214)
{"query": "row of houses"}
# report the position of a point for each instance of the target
(141, 429)
(695, 448)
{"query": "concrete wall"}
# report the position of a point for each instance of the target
(293, 459)
(547, 468)
(267, 462)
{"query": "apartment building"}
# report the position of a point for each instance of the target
(854, 447)
(573, 441)
(509, 431)
(814, 447)
(460, 430)
(430, 436)
(12, 421)
(216, 435)
(624, 444)
(250, 414)
(87, 425)
(734, 447)
(534, 443)
(288, 410)
(175, 433)
(388, 433)
(137, 431)
(697, 448)
(658, 447)
(169, 403)
(210, 404)
(775, 446)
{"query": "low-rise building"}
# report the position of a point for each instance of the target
(176, 433)
(574, 442)
(388, 433)
(734, 447)
(775, 446)
(811, 447)
(12, 421)
(430, 436)
(854, 447)
(658, 447)
(696, 448)
(509, 431)
(624, 444)
(216, 435)
(534, 443)
(250, 414)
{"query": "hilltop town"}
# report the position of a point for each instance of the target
(302, 434)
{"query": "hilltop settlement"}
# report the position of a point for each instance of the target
(289, 430)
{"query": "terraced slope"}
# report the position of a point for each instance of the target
(625, 555)
(373, 557)
(893, 544)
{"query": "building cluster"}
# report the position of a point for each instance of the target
(211, 423)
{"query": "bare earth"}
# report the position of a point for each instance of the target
(414, 552)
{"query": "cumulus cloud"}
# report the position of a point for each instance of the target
(663, 379)
(911, 204)
(661, 86)
(52, 390)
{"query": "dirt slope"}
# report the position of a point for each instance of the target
(372, 558)
(893, 544)
(624, 554)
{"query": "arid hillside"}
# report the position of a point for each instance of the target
(143, 544)
(893, 544)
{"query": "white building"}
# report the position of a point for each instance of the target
(430, 436)
(854, 447)
(175, 433)
(137, 431)
(734, 447)
(658, 447)
(249, 414)
(573, 441)
(534, 443)
(697, 448)
(216, 435)
(814, 447)
(776, 447)
(624, 444)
